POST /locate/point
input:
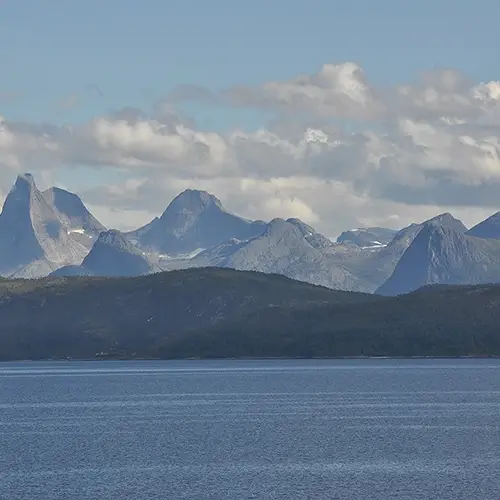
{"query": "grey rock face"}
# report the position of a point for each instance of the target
(82, 225)
(296, 250)
(33, 238)
(373, 265)
(193, 220)
(369, 237)
(285, 247)
(489, 228)
(111, 255)
(42, 232)
(443, 254)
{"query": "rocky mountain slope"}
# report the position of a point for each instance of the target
(194, 220)
(443, 253)
(34, 240)
(111, 255)
(82, 225)
(289, 247)
(41, 232)
(489, 228)
(369, 237)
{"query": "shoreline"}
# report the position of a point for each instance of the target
(250, 358)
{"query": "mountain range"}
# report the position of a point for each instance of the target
(52, 232)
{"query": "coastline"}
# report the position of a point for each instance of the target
(250, 358)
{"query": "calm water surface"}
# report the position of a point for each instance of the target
(250, 430)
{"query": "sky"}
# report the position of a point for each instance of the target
(343, 114)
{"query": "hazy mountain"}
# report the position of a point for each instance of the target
(374, 265)
(42, 232)
(111, 255)
(370, 237)
(489, 228)
(295, 249)
(81, 224)
(315, 239)
(194, 220)
(291, 248)
(442, 253)
(33, 238)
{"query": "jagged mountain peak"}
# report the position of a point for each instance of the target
(193, 220)
(25, 179)
(67, 196)
(279, 225)
(31, 230)
(306, 229)
(112, 255)
(447, 220)
(193, 201)
(115, 238)
(488, 228)
(73, 212)
(368, 236)
(443, 254)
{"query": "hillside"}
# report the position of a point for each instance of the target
(434, 321)
(224, 313)
(79, 316)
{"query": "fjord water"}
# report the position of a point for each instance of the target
(353, 429)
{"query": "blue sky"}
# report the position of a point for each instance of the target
(136, 51)
(393, 154)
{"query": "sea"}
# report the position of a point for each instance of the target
(230, 430)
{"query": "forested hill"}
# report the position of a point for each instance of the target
(224, 313)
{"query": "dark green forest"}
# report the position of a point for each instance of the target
(211, 312)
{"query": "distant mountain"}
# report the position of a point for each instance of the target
(33, 238)
(314, 238)
(289, 247)
(369, 237)
(442, 253)
(489, 228)
(296, 250)
(374, 265)
(194, 220)
(111, 255)
(447, 221)
(82, 225)
(43, 232)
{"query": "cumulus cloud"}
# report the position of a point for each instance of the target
(344, 91)
(417, 149)
(339, 90)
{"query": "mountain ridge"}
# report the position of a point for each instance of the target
(32, 233)
(112, 255)
(444, 255)
(194, 219)
(42, 232)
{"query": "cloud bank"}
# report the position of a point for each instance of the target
(338, 153)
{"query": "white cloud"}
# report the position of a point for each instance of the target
(339, 90)
(417, 149)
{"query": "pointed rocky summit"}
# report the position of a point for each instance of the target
(194, 220)
(33, 238)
